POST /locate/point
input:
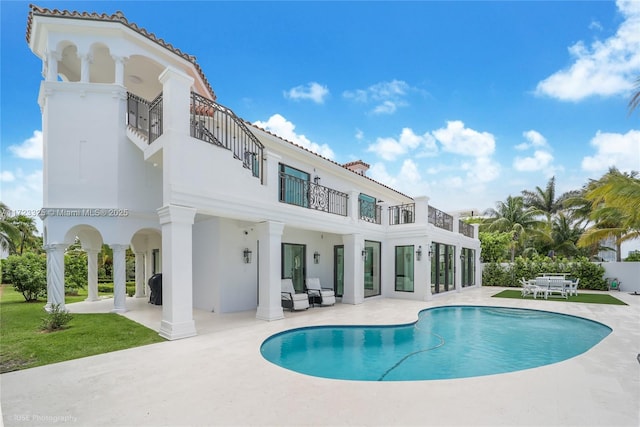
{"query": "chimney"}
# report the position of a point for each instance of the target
(358, 167)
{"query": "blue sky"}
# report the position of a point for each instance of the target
(464, 102)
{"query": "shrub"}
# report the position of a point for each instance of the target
(75, 273)
(591, 275)
(56, 319)
(495, 274)
(28, 275)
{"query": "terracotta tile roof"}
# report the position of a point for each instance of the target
(329, 160)
(357, 162)
(117, 17)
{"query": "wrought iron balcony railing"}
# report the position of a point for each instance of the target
(402, 214)
(301, 192)
(465, 229)
(370, 211)
(145, 116)
(440, 219)
(216, 124)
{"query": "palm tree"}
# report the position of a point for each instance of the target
(27, 230)
(634, 102)
(545, 201)
(616, 209)
(8, 233)
(512, 216)
(565, 235)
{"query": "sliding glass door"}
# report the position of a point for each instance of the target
(372, 268)
(442, 267)
(293, 264)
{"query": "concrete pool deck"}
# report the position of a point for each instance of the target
(220, 378)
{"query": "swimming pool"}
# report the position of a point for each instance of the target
(444, 343)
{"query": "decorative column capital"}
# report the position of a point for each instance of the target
(53, 247)
(177, 214)
(117, 247)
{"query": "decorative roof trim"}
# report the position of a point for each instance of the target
(119, 18)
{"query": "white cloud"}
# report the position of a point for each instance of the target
(455, 138)
(540, 160)
(408, 180)
(359, 135)
(605, 68)
(312, 91)
(387, 96)
(7, 176)
(614, 149)
(30, 148)
(24, 192)
(280, 126)
(482, 170)
(391, 148)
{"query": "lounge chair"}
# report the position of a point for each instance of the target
(290, 299)
(324, 296)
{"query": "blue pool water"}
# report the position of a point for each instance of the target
(444, 343)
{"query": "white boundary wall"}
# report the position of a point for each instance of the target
(628, 273)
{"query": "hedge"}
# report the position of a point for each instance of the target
(508, 275)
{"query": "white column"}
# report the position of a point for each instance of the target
(119, 278)
(140, 273)
(458, 262)
(85, 63)
(55, 275)
(119, 71)
(269, 300)
(52, 65)
(177, 272)
(92, 275)
(353, 269)
(148, 270)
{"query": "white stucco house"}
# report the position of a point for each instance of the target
(138, 154)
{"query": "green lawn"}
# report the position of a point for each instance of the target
(25, 346)
(581, 297)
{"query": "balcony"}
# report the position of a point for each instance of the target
(144, 116)
(465, 229)
(306, 194)
(402, 214)
(440, 219)
(369, 211)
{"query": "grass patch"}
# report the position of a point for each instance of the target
(25, 346)
(586, 298)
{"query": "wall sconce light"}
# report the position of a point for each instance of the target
(430, 253)
(316, 257)
(462, 257)
(247, 255)
(364, 254)
(316, 180)
(419, 253)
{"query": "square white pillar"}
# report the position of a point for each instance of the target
(177, 272)
(353, 269)
(269, 298)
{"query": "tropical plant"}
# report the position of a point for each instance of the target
(8, 233)
(544, 201)
(512, 217)
(26, 233)
(615, 199)
(56, 319)
(634, 102)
